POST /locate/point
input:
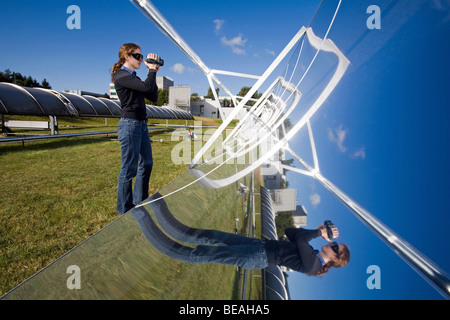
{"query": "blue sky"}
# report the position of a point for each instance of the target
(39, 30)
(381, 136)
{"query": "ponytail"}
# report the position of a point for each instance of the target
(126, 48)
(116, 67)
(323, 270)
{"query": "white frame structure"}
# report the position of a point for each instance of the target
(267, 115)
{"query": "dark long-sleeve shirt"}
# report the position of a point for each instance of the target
(296, 253)
(132, 92)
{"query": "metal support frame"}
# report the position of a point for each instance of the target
(53, 125)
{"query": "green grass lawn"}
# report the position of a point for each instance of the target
(56, 193)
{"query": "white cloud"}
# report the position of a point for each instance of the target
(361, 153)
(178, 68)
(235, 44)
(236, 41)
(271, 52)
(314, 199)
(338, 137)
(218, 24)
(238, 50)
(444, 7)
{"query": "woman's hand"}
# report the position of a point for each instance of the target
(152, 66)
(324, 233)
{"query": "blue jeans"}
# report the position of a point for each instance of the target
(137, 161)
(248, 253)
(229, 248)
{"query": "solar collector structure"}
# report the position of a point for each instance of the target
(17, 100)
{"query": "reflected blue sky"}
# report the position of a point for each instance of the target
(383, 141)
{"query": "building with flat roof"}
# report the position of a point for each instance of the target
(164, 82)
(300, 217)
(205, 108)
(284, 199)
(112, 91)
(180, 98)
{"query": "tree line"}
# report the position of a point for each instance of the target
(21, 80)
